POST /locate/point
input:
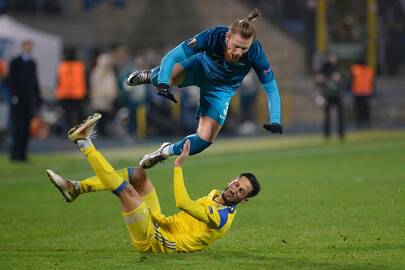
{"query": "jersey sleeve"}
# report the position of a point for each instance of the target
(273, 101)
(260, 63)
(200, 42)
(262, 67)
(207, 214)
(183, 200)
(218, 217)
(168, 61)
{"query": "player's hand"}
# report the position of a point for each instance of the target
(184, 154)
(274, 128)
(163, 90)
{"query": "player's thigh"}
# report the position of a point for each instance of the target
(178, 75)
(193, 71)
(139, 223)
(208, 128)
(213, 107)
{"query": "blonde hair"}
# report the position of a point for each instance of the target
(244, 27)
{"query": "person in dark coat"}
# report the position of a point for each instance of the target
(329, 80)
(26, 99)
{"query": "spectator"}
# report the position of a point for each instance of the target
(26, 99)
(103, 91)
(329, 81)
(132, 96)
(71, 88)
(4, 102)
(362, 86)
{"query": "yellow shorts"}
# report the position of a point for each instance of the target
(143, 228)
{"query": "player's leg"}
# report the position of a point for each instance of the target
(71, 189)
(207, 131)
(93, 184)
(68, 188)
(340, 118)
(137, 178)
(134, 210)
(142, 184)
(326, 123)
(81, 135)
(212, 114)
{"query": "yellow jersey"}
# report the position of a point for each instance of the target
(199, 224)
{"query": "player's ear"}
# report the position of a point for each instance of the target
(227, 36)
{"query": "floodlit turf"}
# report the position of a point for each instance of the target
(323, 206)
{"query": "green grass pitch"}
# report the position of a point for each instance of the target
(323, 205)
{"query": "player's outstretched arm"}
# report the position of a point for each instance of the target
(183, 200)
(266, 76)
(273, 99)
(184, 154)
(166, 66)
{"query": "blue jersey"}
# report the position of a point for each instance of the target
(203, 58)
(212, 43)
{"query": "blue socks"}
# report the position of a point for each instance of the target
(196, 145)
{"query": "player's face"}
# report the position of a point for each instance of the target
(27, 47)
(237, 190)
(236, 46)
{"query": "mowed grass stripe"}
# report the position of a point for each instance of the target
(309, 146)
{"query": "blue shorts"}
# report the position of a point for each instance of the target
(214, 99)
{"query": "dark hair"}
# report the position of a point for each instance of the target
(70, 53)
(361, 60)
(253, 181)
(243, 27)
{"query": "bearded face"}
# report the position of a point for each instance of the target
(237, 190)
(236, 47)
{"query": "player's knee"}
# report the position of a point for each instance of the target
(208, 128)
(128, 192)
(128, 189)
(137, 175)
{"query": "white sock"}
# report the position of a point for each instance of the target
(166, 151)
(84, 143)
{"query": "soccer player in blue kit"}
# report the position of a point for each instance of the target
(216, 60)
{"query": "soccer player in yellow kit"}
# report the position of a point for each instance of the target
(199, 223)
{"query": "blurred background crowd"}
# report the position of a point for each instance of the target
(62, 60)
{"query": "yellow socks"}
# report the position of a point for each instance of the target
(104, 171)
